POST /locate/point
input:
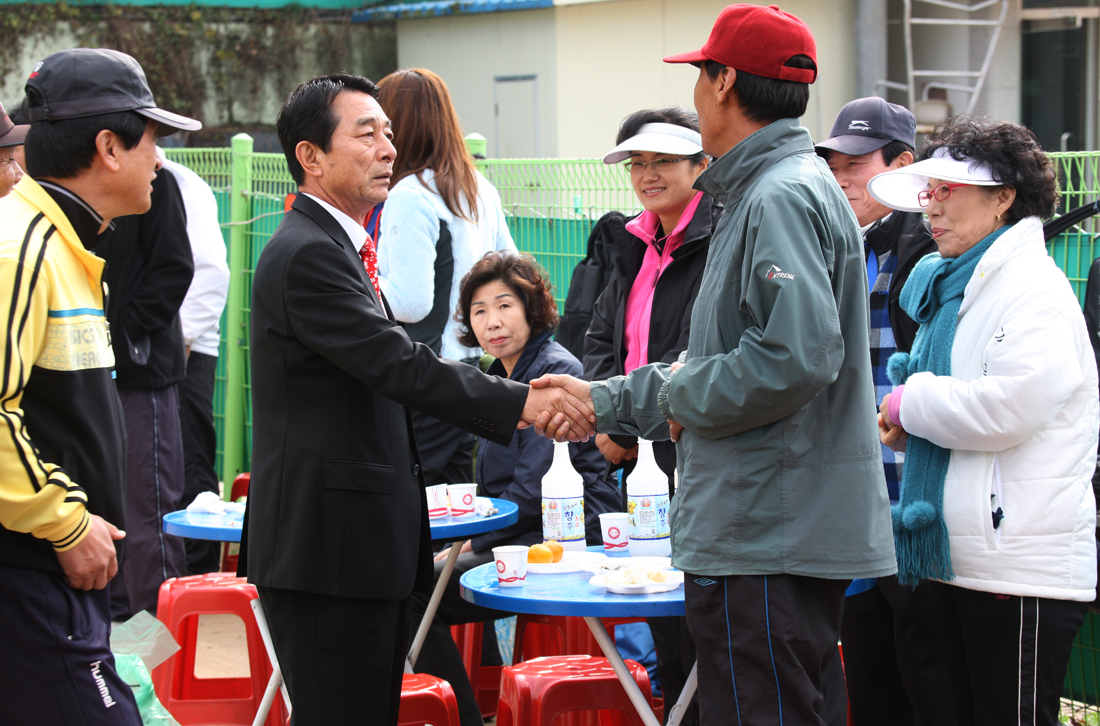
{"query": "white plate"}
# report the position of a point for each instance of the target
(571, 561)
(644, 563)
(675, 579)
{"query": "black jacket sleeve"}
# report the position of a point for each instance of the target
(601, 360)
(332, 317)
(169, 266)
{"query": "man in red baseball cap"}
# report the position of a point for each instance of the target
(782, 499)
(779, 337)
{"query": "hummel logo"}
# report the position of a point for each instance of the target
(101, 685)
(859, 125)
(775, 272)
(705, 582)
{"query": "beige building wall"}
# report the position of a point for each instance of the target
(609, 63)
(468, 51)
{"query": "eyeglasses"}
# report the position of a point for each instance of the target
(658, 165)
(939, 193)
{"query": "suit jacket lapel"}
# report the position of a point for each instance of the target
(332, 228)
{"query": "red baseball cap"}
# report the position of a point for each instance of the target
(757, 40)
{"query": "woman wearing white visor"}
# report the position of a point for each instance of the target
(643, 315)
(997, 414)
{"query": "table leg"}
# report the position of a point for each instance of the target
(677, 712)
(632, 691)
(433, 605)
(275, 683)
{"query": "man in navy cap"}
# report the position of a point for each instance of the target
(91, 157)
(889, 634)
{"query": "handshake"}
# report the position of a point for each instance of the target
(560, 408)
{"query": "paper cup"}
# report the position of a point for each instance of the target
(462, 499)
(615, 534)
(437, 501)
(511, 564)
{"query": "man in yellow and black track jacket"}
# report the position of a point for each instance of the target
(91, 157)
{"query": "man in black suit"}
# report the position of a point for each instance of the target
(336, 533)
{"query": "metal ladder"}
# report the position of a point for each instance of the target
(914, 74)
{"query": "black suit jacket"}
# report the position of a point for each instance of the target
(336, 502)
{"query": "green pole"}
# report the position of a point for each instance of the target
(236, 336)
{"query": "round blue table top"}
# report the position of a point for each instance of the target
(564, 594)
(217, 527)
(452, 528)
(227, 527)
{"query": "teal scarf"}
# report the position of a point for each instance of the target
(932, 296)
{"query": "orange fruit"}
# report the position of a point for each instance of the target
(556, 549)
(540, 555)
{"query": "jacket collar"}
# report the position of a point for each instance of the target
(1020, 237)
(530, 352)
(334, 229)
(32, 192)
(734, 173)
(698, 232)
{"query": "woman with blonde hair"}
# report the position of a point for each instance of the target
(441, 216)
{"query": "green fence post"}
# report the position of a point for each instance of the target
(240, 211)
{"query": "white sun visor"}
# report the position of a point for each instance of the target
(660, 139)
(898, 189)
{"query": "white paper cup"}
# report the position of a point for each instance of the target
(511, 564)
(462, 499)
(616, 537)
(437, 501)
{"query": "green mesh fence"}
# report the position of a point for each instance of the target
(551, 205)
(1075, 250)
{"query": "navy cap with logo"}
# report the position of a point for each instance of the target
(85, 82)
(867, 124)
(10, 134)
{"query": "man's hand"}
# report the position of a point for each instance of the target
(92, 563)
(560, 408)
(613, 452)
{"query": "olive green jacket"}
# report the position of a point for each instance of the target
(779, 462)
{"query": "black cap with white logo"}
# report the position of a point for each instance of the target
(867, 124)
(93, 81)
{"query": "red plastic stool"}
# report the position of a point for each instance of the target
(536, 692)
(485, 680)
(194, 700)
(427, 700)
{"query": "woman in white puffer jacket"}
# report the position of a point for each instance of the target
(997, 415)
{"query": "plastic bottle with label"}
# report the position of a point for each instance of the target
(563, 501)
(647, 506)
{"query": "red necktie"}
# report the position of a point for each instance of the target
(370, 261)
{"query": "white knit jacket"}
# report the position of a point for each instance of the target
(1019, 413)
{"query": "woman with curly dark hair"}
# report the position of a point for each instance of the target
(506, 306)
(996, 411)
